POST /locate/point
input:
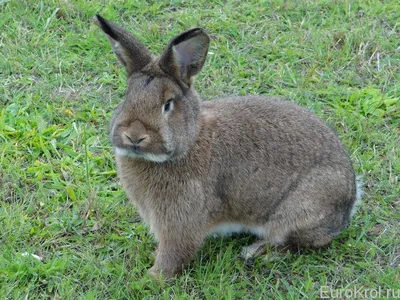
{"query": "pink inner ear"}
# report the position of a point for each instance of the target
(187, 52)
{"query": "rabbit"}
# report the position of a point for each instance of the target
(257, 164)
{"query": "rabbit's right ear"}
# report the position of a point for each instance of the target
(185, 55)
(129, 50)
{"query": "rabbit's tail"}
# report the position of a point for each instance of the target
(359, 195)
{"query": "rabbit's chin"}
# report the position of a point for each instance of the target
(147, 156)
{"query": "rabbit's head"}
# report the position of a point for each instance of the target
(158, 120)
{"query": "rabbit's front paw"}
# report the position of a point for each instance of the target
(154, 274)
(161, 274)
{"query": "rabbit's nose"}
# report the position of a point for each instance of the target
(137, 145)
(138, 141)
(135, 142)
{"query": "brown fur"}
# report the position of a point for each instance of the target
(263, 163)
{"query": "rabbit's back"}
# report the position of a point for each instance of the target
(270, 131)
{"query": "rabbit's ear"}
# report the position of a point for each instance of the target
(185, 55)
(130, 52)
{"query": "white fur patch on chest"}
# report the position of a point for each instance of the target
(156, 158)
(125, 152)
(148, 156)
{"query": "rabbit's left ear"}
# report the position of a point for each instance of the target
(185, 55)
(131, 53)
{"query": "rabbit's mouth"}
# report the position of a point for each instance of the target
(162, 157)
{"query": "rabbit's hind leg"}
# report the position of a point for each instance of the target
(316, 236)
(316, 210)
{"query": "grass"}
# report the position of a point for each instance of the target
(60, 198)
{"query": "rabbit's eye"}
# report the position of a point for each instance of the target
(168, 106)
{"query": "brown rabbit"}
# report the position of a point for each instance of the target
(192, 168)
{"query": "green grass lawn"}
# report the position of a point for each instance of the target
(67, 230)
